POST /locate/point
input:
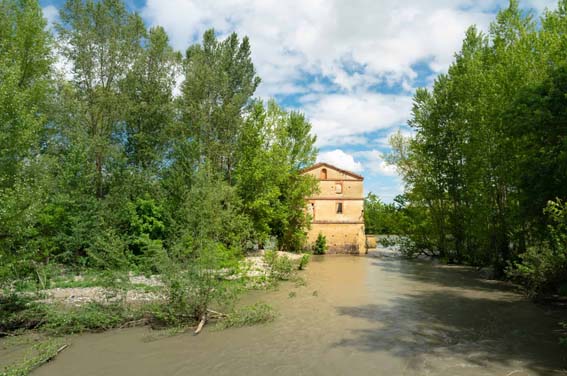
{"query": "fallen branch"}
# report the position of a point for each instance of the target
(219, 314)
(43, 361)
(201, 324)
(133, 323)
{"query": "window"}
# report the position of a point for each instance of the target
(339, 208)
(339, 188)
(323, 174)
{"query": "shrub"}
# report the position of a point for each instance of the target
(543, 268)
(279, 267)
(320, 246)
(20, 312)
(303, 261)
(91, 317)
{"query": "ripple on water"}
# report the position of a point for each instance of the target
(369, 316)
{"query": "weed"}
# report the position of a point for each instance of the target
(36, 356)
(258, 313)
(279, 267)
(303, 261)
(320, 246)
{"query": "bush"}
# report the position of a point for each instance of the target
(91, 317)
(320, 246)
(279, 267)
(303, 261)
(543, 268)
(20, 312)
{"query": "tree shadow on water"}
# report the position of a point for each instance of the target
(445, 324)
(454, 276)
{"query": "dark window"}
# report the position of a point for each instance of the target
(323, 174)
(339, 208)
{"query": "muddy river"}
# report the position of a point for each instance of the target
(355, 316)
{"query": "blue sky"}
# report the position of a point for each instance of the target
(351, 66)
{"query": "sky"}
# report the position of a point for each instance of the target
(352, 66)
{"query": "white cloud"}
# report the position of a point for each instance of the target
(293, 37)
(340, 119)
(353, 45)
(374, 163)
(329, 56)
(340, 159)
(51, 14)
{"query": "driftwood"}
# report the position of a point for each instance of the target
(219, 314)
(201, 324)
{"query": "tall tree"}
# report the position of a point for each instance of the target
(102, 41)
(220, 80)
(25, 81)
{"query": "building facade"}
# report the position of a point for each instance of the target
(337, 209)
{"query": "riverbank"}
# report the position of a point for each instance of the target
(356, 316)
(134, 300)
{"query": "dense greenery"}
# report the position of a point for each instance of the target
(486, 172)
(120, 154)
(105, 164)
(383, 218)
(320, 246)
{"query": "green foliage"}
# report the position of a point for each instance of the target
(105, 171)
(91, 317)
(320, 246)
(24, 312)
(279, 267)
(274, 140)
(543, 267)
(382, 218)
(220, 80)
(20, 312)
(303, 261)
(258, 313)
(488, 151)
(38, 354)
(209, 246)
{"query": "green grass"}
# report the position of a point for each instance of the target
(258, 313)
(37, 355)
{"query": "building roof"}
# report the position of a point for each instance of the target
(321, 164)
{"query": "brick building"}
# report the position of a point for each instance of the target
(337, 209)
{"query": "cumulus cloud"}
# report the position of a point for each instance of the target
(382, 37)
(339, 61)
(373, 162)
(340, 159)
(340, 119)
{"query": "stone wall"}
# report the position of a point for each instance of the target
(344, 230)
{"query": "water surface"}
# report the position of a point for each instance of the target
(355, 316)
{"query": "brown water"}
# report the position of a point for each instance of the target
(356, 316)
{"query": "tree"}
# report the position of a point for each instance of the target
(220, 80)
(276, 145)
(150, 109)
(102, 41)
(489, 144)
(25, 76)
